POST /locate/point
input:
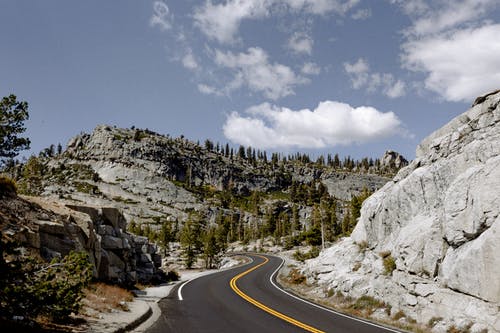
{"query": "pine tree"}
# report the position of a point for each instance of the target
(211, 248)
(13, 114)
(190, 240)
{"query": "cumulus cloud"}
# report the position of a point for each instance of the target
(253, 70)
(310, 68)
(459, 66)
(300, 42)
(450, 43)
(161, 16)
(362, 77)
(221, 21)
(330, 124)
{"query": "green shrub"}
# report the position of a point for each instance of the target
(7, 187)
(32, 288)
(301, 256)
(313, 236)
(389, 265)
(367, 303)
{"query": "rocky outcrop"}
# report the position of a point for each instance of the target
(439, 220)
(50, 230)
(392, 159)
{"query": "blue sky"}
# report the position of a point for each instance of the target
(321, 76)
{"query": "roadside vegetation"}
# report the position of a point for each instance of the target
(364, 307)
(31, 289)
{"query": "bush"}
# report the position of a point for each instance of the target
(398, 315)
(8, 187)
(433, 321)
(313, 236)
(389, 265)
(173, 276)
(32, 288)
(295, 277)
(300, 256)
(367, 303)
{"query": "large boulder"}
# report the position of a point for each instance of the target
(439, 218)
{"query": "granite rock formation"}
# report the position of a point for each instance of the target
(439, 219)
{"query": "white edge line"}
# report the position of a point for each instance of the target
(179, 291)
(322, 307)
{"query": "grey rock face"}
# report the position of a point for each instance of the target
(439, 218)
(119, 256)
(393, 159)
(116, 255)
(345, 185)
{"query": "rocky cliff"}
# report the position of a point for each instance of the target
(47, 229)
(428, 242)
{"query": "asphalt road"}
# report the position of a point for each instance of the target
(244, 299)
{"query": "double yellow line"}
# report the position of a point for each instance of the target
(262, 306)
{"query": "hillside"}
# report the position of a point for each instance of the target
(154, 178)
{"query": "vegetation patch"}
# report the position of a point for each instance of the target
(85, 187)
(296, 277)
(34, 288)
(303, 256)
(102, 297)
(389, 265)
(368, 304)
(8, 187)
(433, 321)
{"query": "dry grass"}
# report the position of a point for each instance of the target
(295, 277)
(362, 307)
(102, 297)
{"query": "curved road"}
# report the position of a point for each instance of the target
(245, 299)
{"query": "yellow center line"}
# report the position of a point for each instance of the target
(264, 307)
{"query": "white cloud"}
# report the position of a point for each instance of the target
(330, 124)
(310, 68)
(300, 42)
(208, 90)
(161, 16)
(460, 65)
(412, 7)
(321, 7)
(358, 72)
(253, 69)
(362, 77)
(362, 14)
(450, 15)
(221, 21)
(395, 89)
(453, 46)
(189, 61)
